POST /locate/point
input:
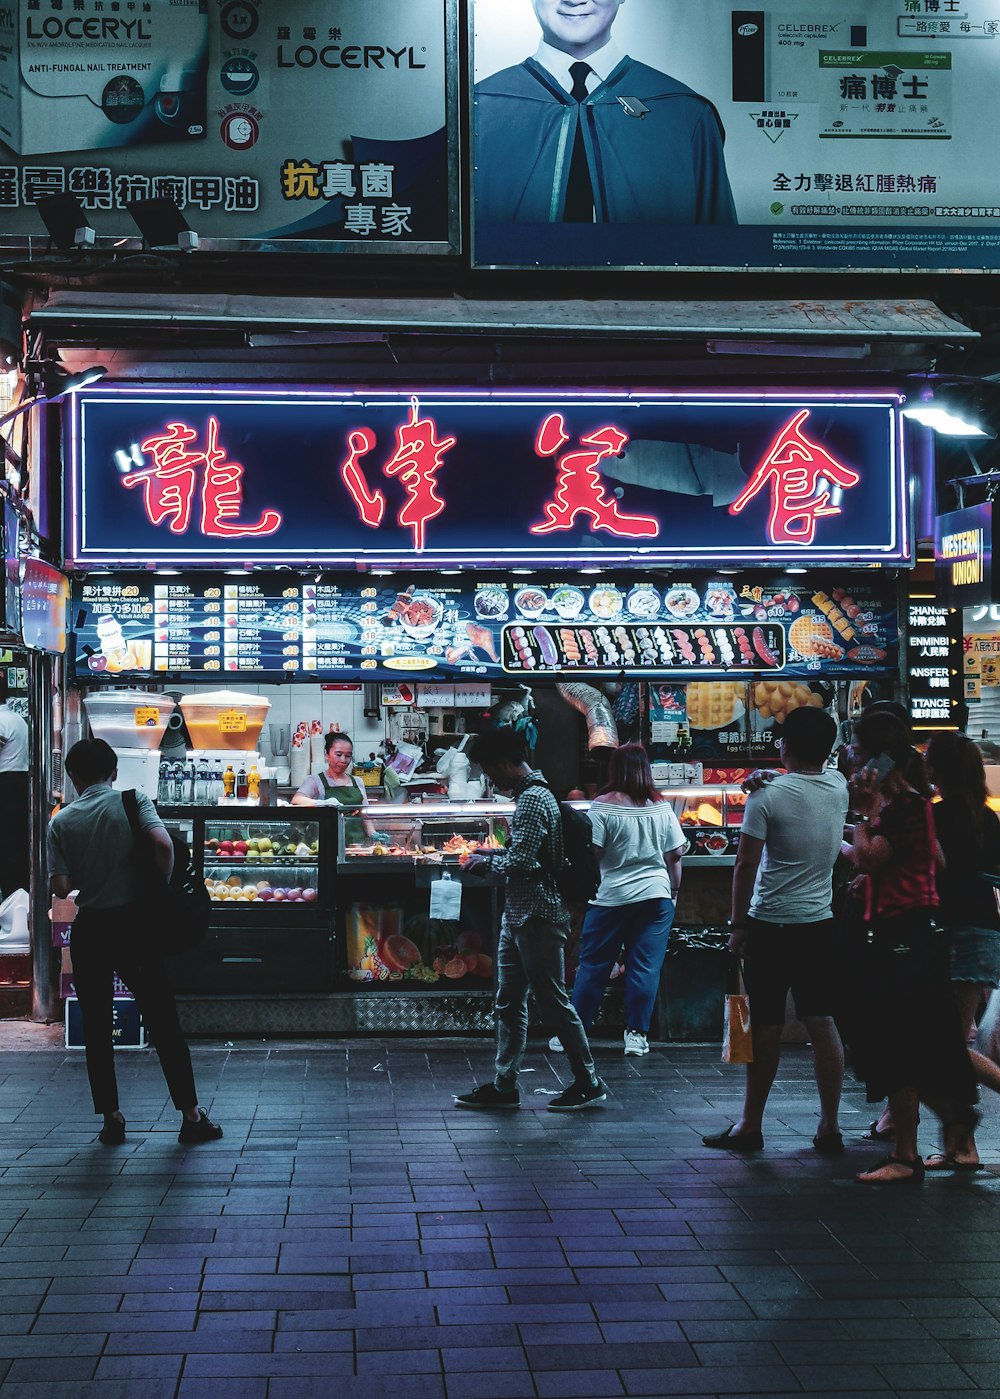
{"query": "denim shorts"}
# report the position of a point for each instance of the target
(975, 955)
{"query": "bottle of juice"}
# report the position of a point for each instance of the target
(241, 785)
(253, 784)
(229, 782)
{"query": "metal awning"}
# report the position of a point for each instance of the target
(735, 324)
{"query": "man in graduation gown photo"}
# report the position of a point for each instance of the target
(582, 133)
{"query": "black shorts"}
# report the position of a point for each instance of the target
(783, 957)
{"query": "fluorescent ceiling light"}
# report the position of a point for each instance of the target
(940, 420)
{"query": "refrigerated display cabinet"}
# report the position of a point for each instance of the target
(267, 873)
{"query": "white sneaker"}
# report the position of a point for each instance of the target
(636, 1043)
(555, 1044)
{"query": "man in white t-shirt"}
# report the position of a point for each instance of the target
(782, 921)
(14, 788)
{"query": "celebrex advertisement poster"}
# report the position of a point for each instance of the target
(695, 133)
(263, 120)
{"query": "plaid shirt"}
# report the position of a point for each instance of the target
(535, 851)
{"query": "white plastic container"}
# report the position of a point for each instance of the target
(224, 719)
(129, 718)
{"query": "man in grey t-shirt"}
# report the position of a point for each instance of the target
(91, 849)
(782, 922)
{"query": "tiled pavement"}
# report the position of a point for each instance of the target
(355, 1236)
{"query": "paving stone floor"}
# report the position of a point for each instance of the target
(356, 1236)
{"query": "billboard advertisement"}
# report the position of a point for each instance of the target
(295, 124)
(699, 134)
(217, 477)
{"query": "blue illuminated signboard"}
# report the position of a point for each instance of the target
(424, 478)
(963, 555)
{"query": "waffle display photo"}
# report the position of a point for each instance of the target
(713, 706)
(812, 635)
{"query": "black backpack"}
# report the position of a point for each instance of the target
(580, 876)
(180, 909)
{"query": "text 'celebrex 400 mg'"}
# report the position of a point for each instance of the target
(93, 76)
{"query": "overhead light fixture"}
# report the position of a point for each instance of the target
(65, 221)
(68, 383)
(81, 380)
(162, 224)
(939, 419)
(796, 570)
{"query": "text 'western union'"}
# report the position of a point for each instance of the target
(967, 554)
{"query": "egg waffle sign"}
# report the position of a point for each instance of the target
(430, 478)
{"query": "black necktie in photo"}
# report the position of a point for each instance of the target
(579, 191)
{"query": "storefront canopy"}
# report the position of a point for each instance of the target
(738, 327)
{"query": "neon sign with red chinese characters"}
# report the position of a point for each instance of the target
(431, 477)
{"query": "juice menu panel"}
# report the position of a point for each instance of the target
(434, 628)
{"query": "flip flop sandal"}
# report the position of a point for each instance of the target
(944, 1161)
(916, 1167)
(874, 1135)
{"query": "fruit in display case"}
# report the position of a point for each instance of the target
(245, 845)
(398, 953)
(233, 889)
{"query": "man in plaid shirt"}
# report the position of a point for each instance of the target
(531, 947)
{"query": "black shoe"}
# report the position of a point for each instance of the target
(487, 1095)
(113, 1132)
(745, 1142)
(580, 1095)
(829, 1144)
(204, 1130)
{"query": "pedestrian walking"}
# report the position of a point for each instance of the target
(639, 844)
(968, 833)
(91, 849)
(782, 922)
(15, 862)
(909, 1045)
(533, 932)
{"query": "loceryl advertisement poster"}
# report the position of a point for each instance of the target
(292, 122)
(697, 133)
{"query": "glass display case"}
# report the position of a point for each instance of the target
(399, 931)
(263, 862)
(425, 833)
(710, 818)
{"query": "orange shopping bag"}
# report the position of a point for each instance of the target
(737, 1045)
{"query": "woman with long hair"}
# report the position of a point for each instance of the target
(639, 843)
(969, 835)
(909, 1045)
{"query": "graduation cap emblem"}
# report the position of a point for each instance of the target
(632, 107)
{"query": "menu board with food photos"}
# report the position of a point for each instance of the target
(284, 626)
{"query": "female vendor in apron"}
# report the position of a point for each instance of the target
(337, 786)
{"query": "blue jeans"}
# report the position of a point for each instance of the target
(533, 956)
(644, 928)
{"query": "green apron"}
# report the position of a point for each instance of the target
(354, 831)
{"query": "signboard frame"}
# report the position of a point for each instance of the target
(971, 257)
(963, 555)
(776, 422)
(483, 628)
(451, 246)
